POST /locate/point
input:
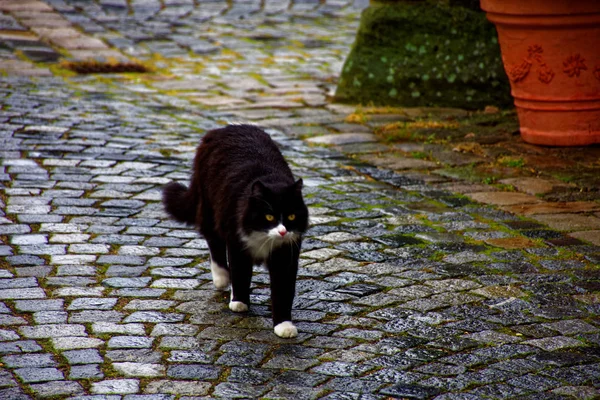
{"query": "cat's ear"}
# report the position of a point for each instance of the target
(298, 186)
(258, 188)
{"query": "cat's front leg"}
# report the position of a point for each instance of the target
(283, 267)
(240, 269)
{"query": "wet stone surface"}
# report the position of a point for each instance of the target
(406, 289)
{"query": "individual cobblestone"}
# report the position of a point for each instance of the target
(116, 386)
(30, 375)
(88, 371)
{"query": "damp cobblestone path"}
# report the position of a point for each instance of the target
(407, 288)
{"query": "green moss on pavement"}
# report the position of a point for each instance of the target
(424, 54)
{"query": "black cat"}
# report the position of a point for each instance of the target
(246, 203)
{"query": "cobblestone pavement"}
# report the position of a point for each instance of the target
(408, 289)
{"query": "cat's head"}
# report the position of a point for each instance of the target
(275, 214)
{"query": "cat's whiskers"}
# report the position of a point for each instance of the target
(271, 249)
(294, 242)
(267, 240)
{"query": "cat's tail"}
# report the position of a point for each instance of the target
(180, 203)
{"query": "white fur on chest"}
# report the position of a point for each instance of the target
(261, 244)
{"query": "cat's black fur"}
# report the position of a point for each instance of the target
(239, 178)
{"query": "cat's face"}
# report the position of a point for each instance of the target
(274, 216)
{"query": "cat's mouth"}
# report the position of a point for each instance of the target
(279, 237)
(261, 243)
(279, 232)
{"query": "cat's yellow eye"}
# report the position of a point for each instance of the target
(292, 217)
(269, 217)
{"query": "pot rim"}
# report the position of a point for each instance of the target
(571, 21)
(541, 7)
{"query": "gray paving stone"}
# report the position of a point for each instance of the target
(124, 260)
(176, 272)
(176, 283)
(69, 238)
(127, 282)
(163, 242)
(341, 369)
(10, 320)
(134, 355)
(8, 335)
(69, 281)
(57, 388)
(111, 327)
(129, 342)
(6, 379)
(149, 304)
(30, 239)
(72, 259)
(89, 371)
(75, 270)
(79, 291)
(21, 346)
(132, 369)
(410, 391)
(37, 271)
(13, 229)
(122, 270)
(69, 343)
(25, 260)
(92, 304)
(87, 356)
(28, 293)
(154, 316)
(189, 388)
(38, 374)
(237, 390)
(178, 342)
(149, 397)
(89, 248)
(14, 393)
(288, 362)
(571, 327)
(119, 240)
(87, 316)
(533, 382)
(555, 343)
(174, 330)
(139, 292)
(50, 317)
(29, 361)
(184, 356)
(116, 386)
(49, 331)
(6, 274)
(194, 371)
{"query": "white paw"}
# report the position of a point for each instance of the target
(286, 330)
(238, 306)
(220, 276)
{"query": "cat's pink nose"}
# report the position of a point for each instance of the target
(282, 231)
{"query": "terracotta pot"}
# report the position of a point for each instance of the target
(551, 54)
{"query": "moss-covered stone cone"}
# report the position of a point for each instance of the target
(424, 54)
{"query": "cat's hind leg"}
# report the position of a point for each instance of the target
(220, 276)
(218, 261)
(240, 265)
